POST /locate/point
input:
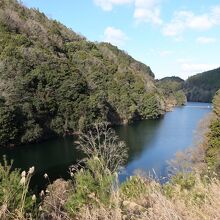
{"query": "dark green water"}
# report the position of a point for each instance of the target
(150, 144)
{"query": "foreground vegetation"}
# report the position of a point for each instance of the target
(55, 82)
(93, 192)
(212, 157)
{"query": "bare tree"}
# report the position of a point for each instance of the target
(102, 142)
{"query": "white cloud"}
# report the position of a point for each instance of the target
(145, 3)
(115, 36)
(192, 68)
(183, 60)
(144, 10)
(147, 11)
(107, 5)
(184, 20)
(174, 28)
(202, 22)
(216, 14)
(165, 53)
(205, 40)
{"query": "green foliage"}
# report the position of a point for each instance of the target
(182, 183)
(8, 125)
(95, 182)
(150, 107)
(184, 180)
(15, 200)
(190, 187)
(172, 89)
(93, 186)
(213, 148)
(134, 187)
(180, 98)
(11, 190)
(61, 83)
(202, 87)
(171, 84)
(216, 103)
(32, 133)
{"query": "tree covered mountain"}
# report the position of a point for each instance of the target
(203, 86)
(55, 82)
(197, 88)
(172, 89)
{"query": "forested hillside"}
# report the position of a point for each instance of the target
(172, 89)
(202, 87)
(55, 82)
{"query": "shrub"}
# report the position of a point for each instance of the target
(16, 201)
(94, 183)
(93, 186)
(134, 187)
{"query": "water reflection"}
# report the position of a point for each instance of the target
(137, 135)
(153, 143)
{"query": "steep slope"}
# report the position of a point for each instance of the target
(172, 89)
(55, 82)
(202, 87)
(212, 156)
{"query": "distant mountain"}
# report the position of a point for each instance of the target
(173, 79)
(172, 89)
(203, 86)
(55, 82)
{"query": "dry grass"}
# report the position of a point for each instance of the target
(155, 205)
(184, 204)
(55, 198)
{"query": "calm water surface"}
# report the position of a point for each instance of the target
(150, 144)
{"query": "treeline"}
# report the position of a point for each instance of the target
(55, 82)
(202, 87)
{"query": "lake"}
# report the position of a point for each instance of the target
(151, 143)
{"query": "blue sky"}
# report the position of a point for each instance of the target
(173, 37)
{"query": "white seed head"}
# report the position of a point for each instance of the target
(42, 193)
(96, 158)
(45, 176)
(34, 198)
(23, 180)
(71, 174)
(23, 174)
(31, 170)
(40, 208)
